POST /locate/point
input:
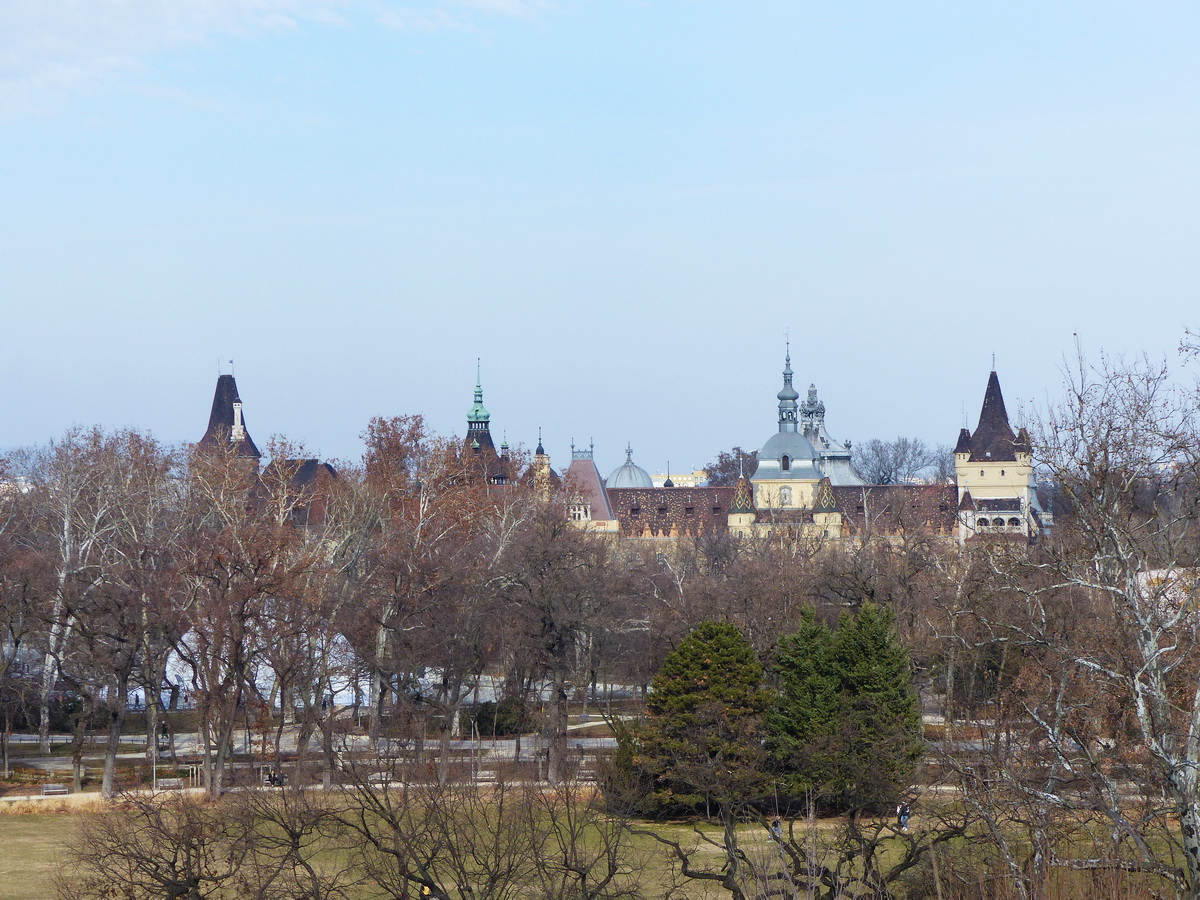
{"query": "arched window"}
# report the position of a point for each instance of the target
(1014, 523)
(787, 463)
(785, 496)
(982, 524)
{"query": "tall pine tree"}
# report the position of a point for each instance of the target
(701, 748)
(845, 725)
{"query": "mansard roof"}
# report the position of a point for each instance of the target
(220, 420)
(586, 486)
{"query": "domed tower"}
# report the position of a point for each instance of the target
(788, 470)
(479, 434)
(481, 452)
(629, 475)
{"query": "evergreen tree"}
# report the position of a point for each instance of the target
(701, 746)
(804, 718)
(846, 724)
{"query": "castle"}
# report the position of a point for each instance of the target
(803, 487)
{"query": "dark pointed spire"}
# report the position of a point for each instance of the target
(226, 424)
(964, 441)
(993, 439)
(540, 451)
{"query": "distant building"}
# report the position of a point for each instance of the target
(997, 492)
(226, 424)
(490, 465)
(695, 478)
(301, 484)
(587, 500)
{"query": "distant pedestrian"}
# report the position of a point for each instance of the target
(777, 831)
(902, 814)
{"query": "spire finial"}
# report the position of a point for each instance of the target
(628, 452)
(478, 417)
(993, 362)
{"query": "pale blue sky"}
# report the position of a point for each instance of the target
(620, 206)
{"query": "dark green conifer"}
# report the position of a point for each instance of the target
(846, 725)
(702, 745)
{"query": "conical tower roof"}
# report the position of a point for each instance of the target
(993, 440)
(226, 424)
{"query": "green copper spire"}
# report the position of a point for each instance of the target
(478, 415)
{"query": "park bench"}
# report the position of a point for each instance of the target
(170, 784)
(54, 790)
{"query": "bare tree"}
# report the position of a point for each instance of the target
(242, 557)
(556, 582)
(1091, 745)
(901, 461)
(729, 465)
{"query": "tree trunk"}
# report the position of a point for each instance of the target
(1184, 785)
(116, 720)
(556, 728)
(77, 751)
(327, 749)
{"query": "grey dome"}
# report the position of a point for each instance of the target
(629, 475)
(788, 443)
(802, 458)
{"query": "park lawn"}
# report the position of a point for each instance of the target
(30, 852)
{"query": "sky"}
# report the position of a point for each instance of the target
(622, 208)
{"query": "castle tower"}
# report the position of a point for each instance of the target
(741, 511)
(488, 464)
(544, 479)
(479, 433)
(787, 475)
(226, 423)
(997, 491)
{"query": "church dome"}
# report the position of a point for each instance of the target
(788, 443)
(629, 475)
